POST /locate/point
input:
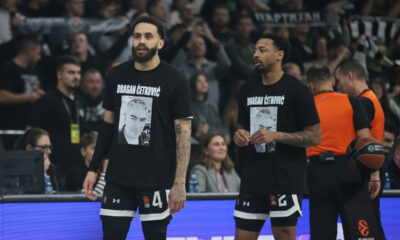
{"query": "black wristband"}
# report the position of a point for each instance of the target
(102, 145)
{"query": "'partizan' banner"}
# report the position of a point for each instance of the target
(69, 25)
(296, 19)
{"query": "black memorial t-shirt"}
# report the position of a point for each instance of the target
(285, 106)
(145, 105)
(16, 80)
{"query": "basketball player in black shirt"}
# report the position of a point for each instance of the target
(274, 171)
(144, 96)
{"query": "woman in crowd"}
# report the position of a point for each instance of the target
(206, 118)
(38, 139)
(214, 170)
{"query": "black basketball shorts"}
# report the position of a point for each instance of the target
(118, 201)
(251, 211)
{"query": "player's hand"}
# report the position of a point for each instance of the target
(205, 31)
(241, 137)
(39, 91)
(46, 164)
(177, 198)
(344, 53)
(17, 19)
(32, 97)
(262, 136)
(88, 184)
(374, 185)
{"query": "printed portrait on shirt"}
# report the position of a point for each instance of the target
(264, 118)
(31, 82)
(134, 126)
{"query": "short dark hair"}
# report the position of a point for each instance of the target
(151, 20)
(91, 70)
(88, 138)
(318, 73)
(242, 16)
(354, 67)
(66, 59)
(279, 42)
(27, 42)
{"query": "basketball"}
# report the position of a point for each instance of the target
(351, 148)
(365, 153)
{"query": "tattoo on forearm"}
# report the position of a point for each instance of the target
(183, 132)
(178, 128)
(310, 136)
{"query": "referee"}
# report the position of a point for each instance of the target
(351, 78)
(331, 182)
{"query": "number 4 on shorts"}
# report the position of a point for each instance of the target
(157, 199)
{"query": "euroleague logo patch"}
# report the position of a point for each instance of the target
(371, 148)
(375, 148)
(146, 201)
(272, 198)
(363, 227)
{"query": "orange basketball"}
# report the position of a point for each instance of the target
(367, 154)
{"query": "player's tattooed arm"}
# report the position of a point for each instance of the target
(183, 130)
(177, 195)
(310, 136)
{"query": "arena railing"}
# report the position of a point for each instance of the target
(80, 197)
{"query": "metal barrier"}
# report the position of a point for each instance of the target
(9, 132)
(80, 197)
(12, 132)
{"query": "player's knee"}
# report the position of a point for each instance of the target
(284, 233)
(115, 227)
(155, 230)
(284, 222)
(249, 225)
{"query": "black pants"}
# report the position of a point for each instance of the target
(335, 189)
(377, 205)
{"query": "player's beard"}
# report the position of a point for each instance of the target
(73, 85)
(265, 68)
(144, 58)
